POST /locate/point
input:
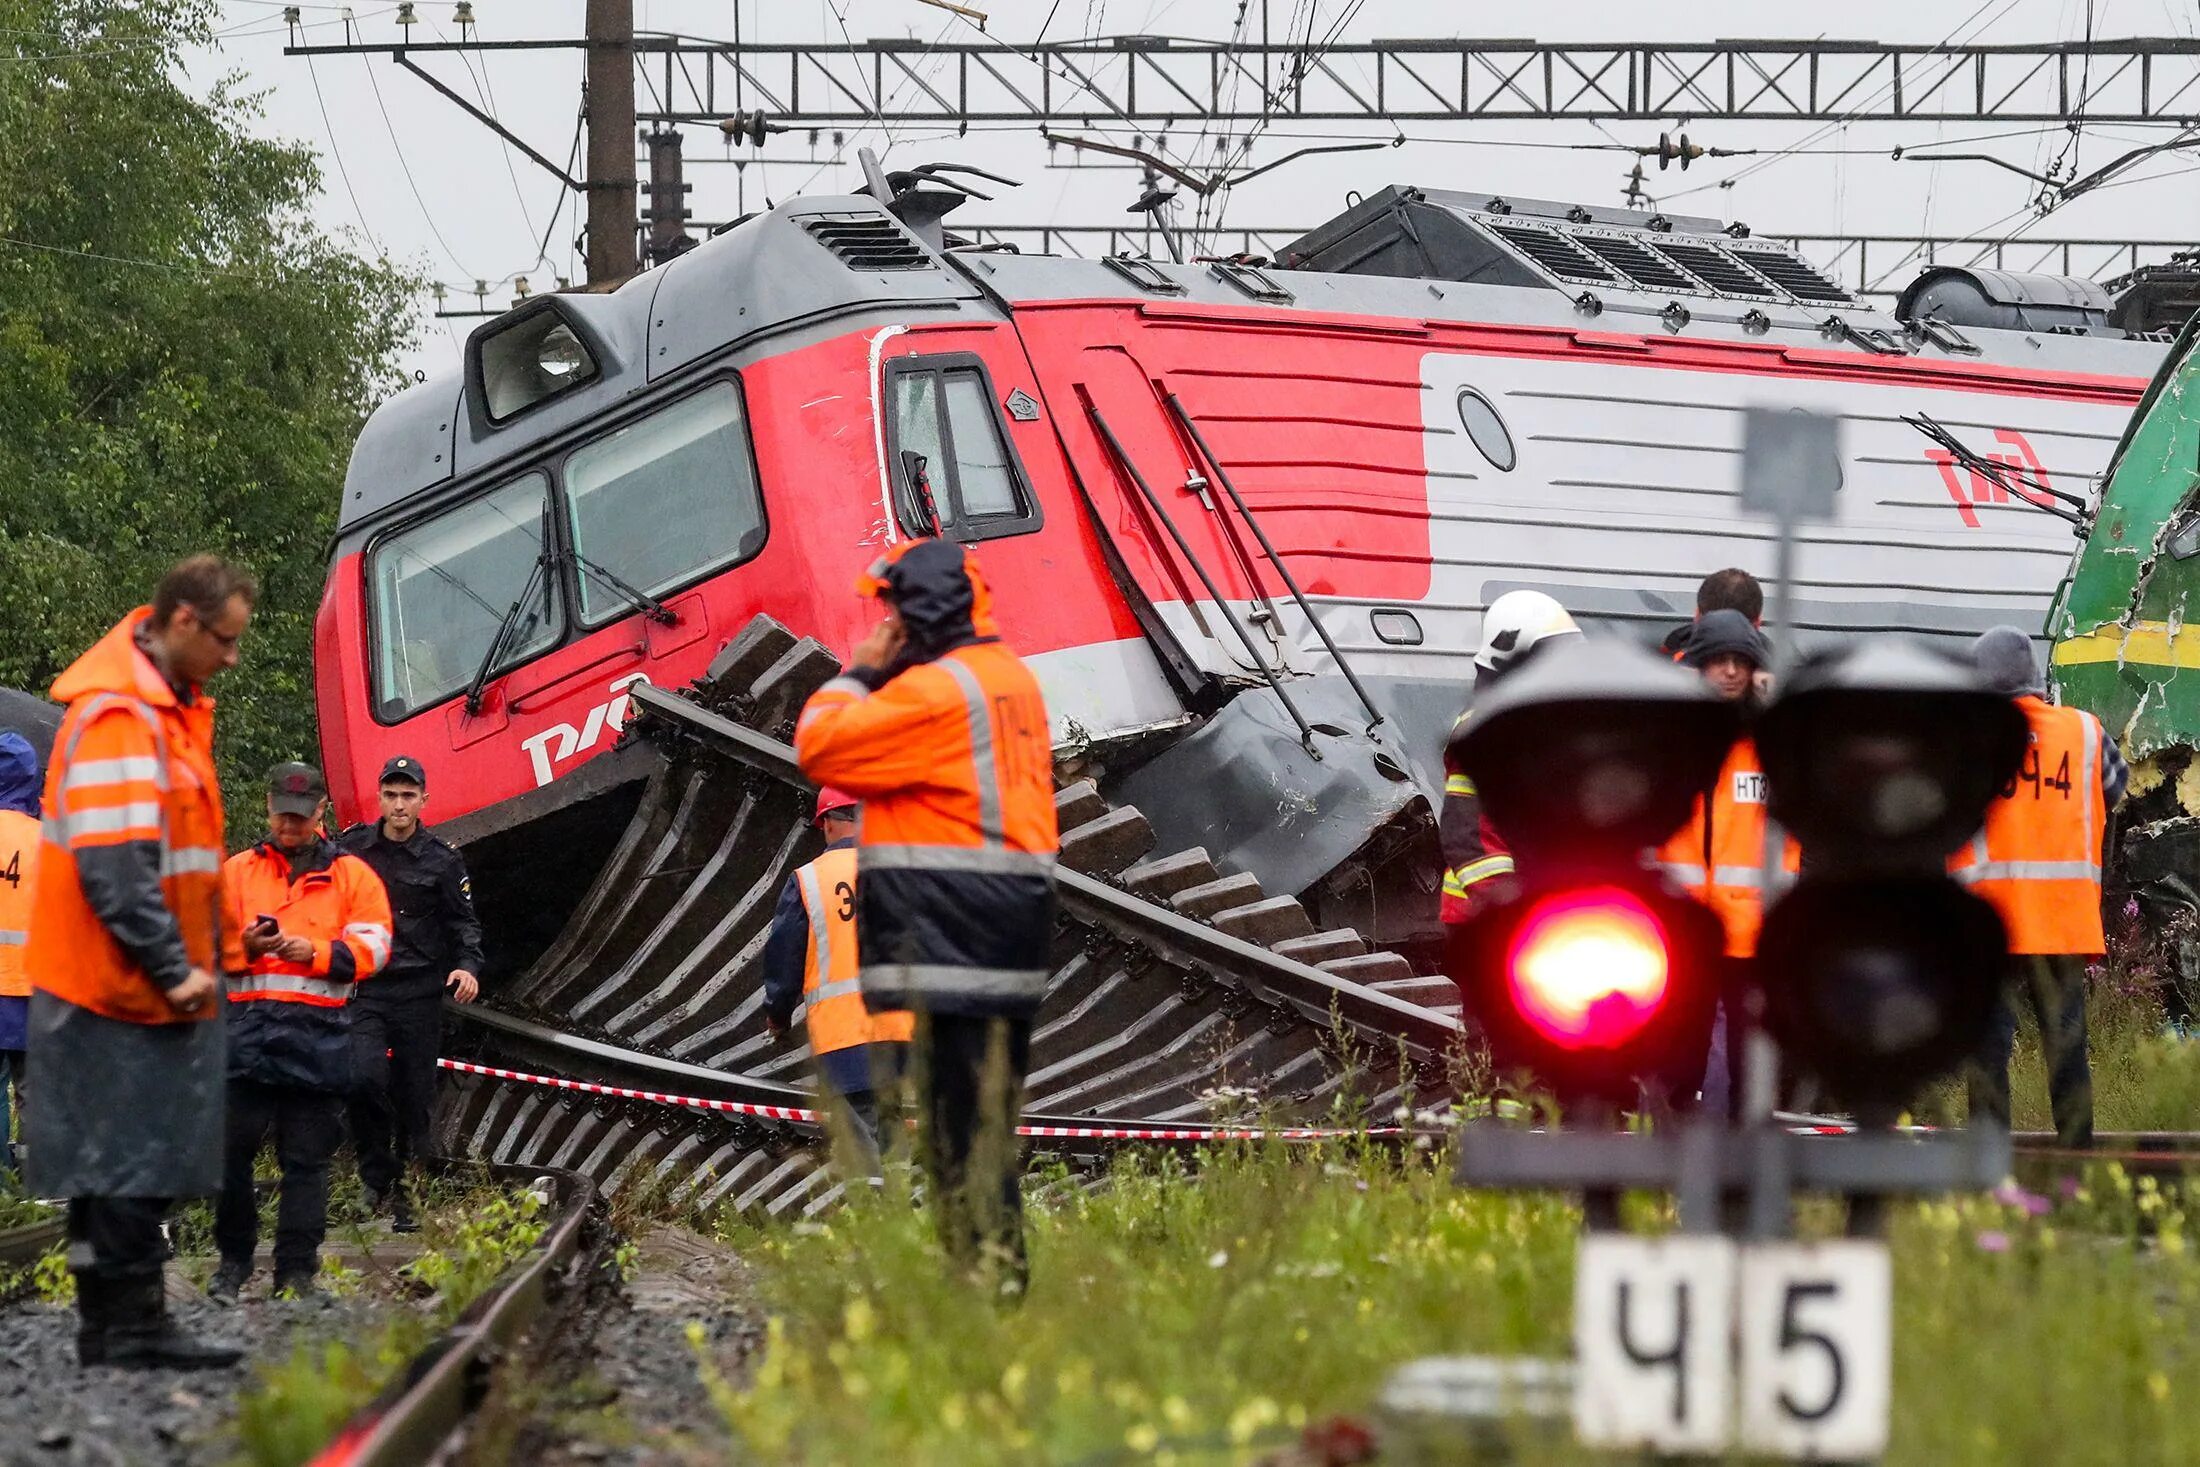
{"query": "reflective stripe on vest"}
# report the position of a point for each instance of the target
(191, 860)
(940, 980)
(987, 861)
(838, 988)
(987, 774)
(95, 772)
(2038, 858)
(248, 986)
(375, 936)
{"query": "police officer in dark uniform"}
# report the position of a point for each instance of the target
(397, 1020)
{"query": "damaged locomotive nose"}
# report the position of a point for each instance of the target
(2122, 648)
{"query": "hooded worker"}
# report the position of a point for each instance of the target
(941, 731)
(2037, 859)
(1718, 855)
(19, 837)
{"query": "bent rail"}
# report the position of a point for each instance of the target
(1262, 973)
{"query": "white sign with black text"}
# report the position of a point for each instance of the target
(1817, 1350)
(1671, 1333)
(1653, 1340)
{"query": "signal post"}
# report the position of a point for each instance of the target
(1875, 973)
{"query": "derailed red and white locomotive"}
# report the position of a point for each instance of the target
(1436, 398)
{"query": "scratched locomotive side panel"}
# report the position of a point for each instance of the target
(1625, 492)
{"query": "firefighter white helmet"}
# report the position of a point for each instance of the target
(1518, 621)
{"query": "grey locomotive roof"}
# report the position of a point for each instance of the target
(817, 260)
(774, 273)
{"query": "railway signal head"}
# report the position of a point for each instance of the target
(1597, 976)
(1878, 972)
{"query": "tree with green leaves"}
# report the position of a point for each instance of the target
(185, 358)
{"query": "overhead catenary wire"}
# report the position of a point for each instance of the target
(405, 166)
(1885, 89)
(335, 151)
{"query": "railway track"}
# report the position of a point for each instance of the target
(1176, 986)
(425, 1412)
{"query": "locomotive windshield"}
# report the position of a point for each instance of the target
(442, 588)
(649, 508)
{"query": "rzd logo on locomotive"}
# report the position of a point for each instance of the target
(561, 742)
(2021, 473)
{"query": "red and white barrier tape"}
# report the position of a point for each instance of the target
(810, 1117)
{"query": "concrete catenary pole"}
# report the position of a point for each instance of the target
(611, 202)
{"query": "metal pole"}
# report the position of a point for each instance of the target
(1768, 1208)
(1153, 502)
(611, 203)
(1222, 477)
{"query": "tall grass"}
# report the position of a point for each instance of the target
(1222, 1308)
(1200, 1315)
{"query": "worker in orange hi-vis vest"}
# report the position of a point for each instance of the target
(128, 933)
(1719, 854)
(810, 977)
(942, 732)
(19, 838)
(2038, 860)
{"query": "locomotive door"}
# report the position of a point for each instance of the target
(1167, 519)
(966, 441)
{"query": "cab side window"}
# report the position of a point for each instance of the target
(945, 433)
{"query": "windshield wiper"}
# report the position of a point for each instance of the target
(480, 683)
(639, 599)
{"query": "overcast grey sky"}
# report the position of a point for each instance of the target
(408, 173)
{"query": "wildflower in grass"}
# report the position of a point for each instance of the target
(1993, 1240)
(2009, 1194)
(1252, 1418)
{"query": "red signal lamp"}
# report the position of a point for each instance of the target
(1599, 984)
(1588, 969)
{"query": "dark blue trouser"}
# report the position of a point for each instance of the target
(2055, 987)
(969, 1074)
(308, 1126)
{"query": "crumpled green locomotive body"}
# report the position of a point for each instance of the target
(2126, 628)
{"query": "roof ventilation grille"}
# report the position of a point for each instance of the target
(1717, 269)
(1793, 274)
(867, 242)
(1555, 253)
(1636, 262)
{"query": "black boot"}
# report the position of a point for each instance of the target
(141, 1335)
(94, 1310)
